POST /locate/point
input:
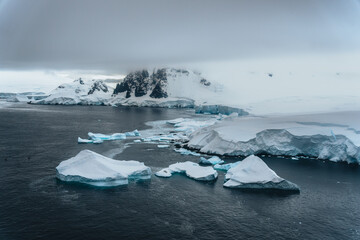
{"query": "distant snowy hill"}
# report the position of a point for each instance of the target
(80, 92)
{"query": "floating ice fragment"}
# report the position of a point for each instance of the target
(226, 167)
(253, 173)
(184, 151)
(211, 161)
(92, 168)
(191, 169)
(163, 146)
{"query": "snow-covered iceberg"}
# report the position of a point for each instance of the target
(190, 169)
(103, 137)
(253, 173)
(92, 168)
(332, 136)
(99, 137)
(211, 161)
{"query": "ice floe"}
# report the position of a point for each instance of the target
(184, 151)
(92, 168)
(190, 169)
(211, 161)
(99, 137)
(253, 173)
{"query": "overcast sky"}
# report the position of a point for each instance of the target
(115, 36)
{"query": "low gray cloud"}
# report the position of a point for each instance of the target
(116, 35)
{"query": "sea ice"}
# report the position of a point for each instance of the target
(253, 173)
(225, 167)
(100, 136)
(211, 161)
(190, 169)
(184, 151)
(163, 146)
(92, 168)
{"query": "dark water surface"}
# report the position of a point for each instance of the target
(34, 205)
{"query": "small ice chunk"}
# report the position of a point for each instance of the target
(191, 169)
(184, 151)
(81, 140)
(134, 133)
(163, 146)
(226, 167)
(100, 136)
(211, 161)
(294, 158)
(137, 140)
(166, 172)
(92, 168)
(253, 173)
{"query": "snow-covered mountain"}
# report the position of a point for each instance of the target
(163, 87)
(94, 92)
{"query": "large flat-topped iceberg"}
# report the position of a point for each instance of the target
(253, 173)
(332, 136)
(92, 168)
(190, 169)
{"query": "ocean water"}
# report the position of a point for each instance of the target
(35, 205)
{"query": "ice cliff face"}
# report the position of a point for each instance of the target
(283, 136)
(81, 92)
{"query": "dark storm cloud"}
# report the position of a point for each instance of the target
(114, 35)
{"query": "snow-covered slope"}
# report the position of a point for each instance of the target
(94, 92)
(164, 87)
(333, 136)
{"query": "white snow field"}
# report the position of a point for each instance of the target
(92, 168)
(79, 92)
(253, 173)
(190, 169)
(331, 136)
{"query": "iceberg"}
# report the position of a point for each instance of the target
(190, 169)
(165, 172)
(309, 135)
(184, 151)
(211, 161)
(92, 168)
(103, 137)
(134, 133)
(163, 146)
(253, 173)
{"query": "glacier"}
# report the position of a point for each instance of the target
(309, 135)
(211, 161)
(190, 169)
(91, 168)
(253, 173)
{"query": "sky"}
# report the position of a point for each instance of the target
(44, 43)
